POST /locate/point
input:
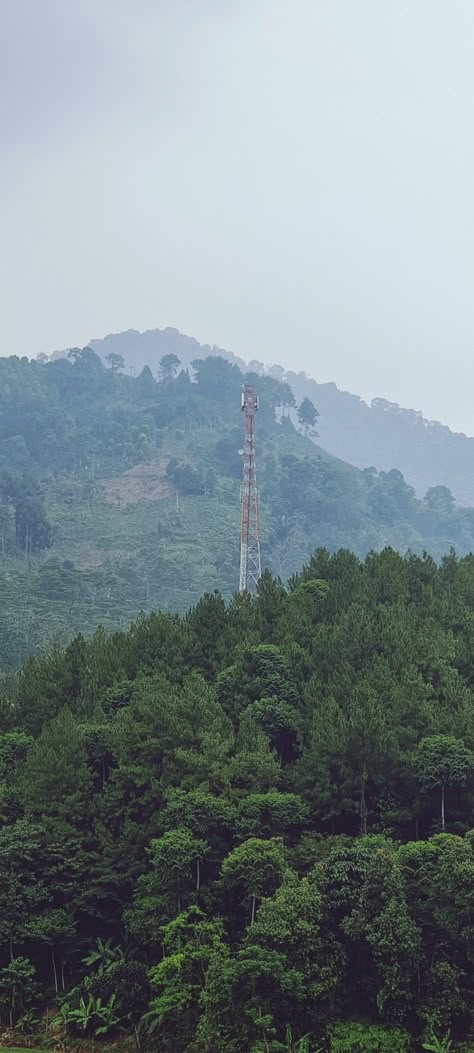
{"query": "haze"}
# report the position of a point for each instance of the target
(291, 181)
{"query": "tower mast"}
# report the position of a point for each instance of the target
(250, 563)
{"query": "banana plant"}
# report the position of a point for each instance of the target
(104, 955)
(90, 1015)
(300, 1045)
(290, 1045)
(439, 1045)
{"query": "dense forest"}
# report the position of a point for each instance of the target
(120, 494)
(249, 829)
(382, 434)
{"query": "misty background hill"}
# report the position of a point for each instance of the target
(119, 493)
(383, 434)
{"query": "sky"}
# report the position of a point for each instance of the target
(291, 181)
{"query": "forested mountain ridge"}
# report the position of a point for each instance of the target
(250, 829)
(381, 434)
(120, 494)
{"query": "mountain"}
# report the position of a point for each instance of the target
(386, 435)
(383, 435)
(120, 494)
(249, 829)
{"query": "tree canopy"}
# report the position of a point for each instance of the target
(225, 830)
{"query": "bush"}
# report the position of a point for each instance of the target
(128, 981)
(355, 1037)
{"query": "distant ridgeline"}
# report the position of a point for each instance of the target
(383, 434)
(249, 829)
(120, 493)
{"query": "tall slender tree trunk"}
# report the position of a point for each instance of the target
(53, 959)
(363, 805)
(442, 806)
(252, 919)
(198, 876)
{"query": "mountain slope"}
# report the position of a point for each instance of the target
(383, 434)
(120, 494)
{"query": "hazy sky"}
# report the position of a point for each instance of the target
(290, 179)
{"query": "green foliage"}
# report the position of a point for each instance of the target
(307, 414)
(17, 987)
(175, 857)
(365, 1038)
(439, 1045)
(178, 980)
(104, 956)
(119, 494)
(255, 869)
(127, 983)
(90, 1017)
(442, 760)
(217, 828)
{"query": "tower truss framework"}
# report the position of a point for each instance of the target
(250, 561)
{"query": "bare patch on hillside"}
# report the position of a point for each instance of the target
(144, 482)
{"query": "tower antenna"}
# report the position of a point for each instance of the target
(250, 563)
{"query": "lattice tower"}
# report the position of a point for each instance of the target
(250, 562)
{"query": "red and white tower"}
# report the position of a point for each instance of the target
(250, 563)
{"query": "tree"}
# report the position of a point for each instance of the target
(238, 997)
(169, 365)
(56, 780)
(440, 499)
(17, 986)
(366, 741)
(255, 869)
(22, 887)
(287, 397)
(218, 379)
(32, 528)
(293, 924)
(146, 382)
(442, 760)
(280, 722)
(178, 980)
(116, 362)
(209, 817)
(262, 672)
(174, 857)
(438, 875)
(277, 372)
(307, 415)
(275, 814)
(127, 982)
(56, 929)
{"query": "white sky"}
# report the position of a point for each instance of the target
(291, 180)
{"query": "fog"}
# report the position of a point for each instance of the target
(290, 181)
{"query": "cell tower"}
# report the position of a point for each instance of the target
(250, 564)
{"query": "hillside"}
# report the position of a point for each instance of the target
(383, 435)
(250, 829)
(120, 494)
